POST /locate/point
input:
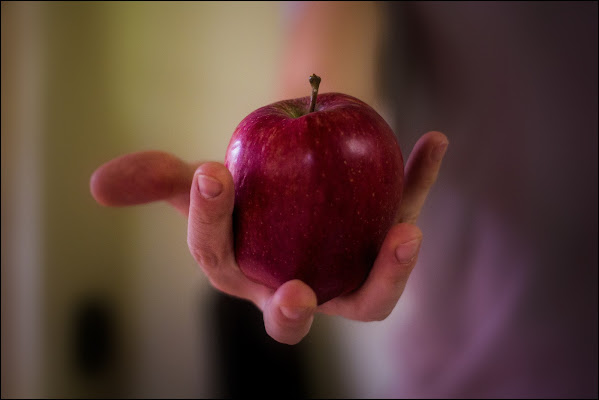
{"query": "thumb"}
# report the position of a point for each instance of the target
(209, 234)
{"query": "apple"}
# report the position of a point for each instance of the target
(318, 184)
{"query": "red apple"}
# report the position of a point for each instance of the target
(315, 191)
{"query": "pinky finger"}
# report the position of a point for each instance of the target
(422, 169)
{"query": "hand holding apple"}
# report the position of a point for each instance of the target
(318, 183)
(204, 192)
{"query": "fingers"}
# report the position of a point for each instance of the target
(289, 313)
(210, 233)
(143, 177)
(422, 169)
(379, 294)
(207, 197)
(209, 230)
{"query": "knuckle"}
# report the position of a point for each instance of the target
(209, 260)
(207, 218)
(204, 255)
(409, 217)
(426, 182)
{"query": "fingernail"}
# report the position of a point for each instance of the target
(209, 187)
(296, 313)
(439, 151)
(406, 252)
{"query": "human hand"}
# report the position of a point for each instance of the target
(204, 192)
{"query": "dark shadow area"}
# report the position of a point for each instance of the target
(250, 362)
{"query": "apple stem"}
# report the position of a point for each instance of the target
(314, 82)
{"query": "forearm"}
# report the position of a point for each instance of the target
(336, 40)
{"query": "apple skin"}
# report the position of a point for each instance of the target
(315, 193)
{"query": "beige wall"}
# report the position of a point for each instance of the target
(82, 83)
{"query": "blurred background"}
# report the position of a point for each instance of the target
(100, 302)
(108, 302)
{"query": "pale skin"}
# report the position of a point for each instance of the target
(204, 193)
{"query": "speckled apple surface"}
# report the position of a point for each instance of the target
(315, 193)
